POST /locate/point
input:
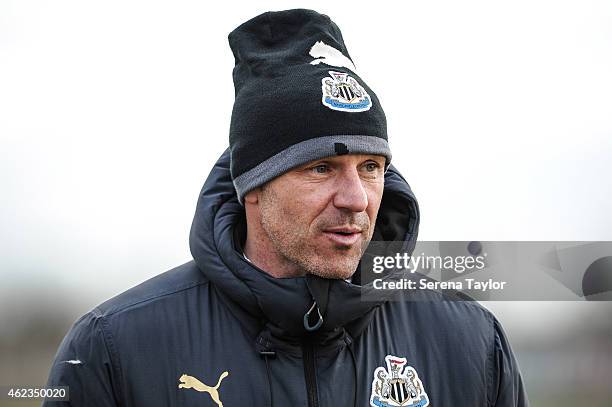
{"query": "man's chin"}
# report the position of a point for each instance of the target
(338, 263)
(335, 267)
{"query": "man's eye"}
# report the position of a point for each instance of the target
(320, 169)
(372, 166)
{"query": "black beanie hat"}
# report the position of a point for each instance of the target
(298, 98)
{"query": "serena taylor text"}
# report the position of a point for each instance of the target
(427, 284)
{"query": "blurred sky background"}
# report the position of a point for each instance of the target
(112, 114)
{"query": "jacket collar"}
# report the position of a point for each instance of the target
(281, 303)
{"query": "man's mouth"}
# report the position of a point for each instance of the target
(345, 236)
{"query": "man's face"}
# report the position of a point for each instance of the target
(320, 216)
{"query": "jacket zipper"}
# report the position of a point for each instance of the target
(310, 373)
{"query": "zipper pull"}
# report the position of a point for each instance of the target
(317, 325)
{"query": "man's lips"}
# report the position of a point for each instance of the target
(345, 235)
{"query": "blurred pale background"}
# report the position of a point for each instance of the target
(112, 113)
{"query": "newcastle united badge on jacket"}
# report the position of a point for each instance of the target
(342, 92)
(397, 386)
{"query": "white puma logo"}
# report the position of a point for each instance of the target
(329, 55)
(190, 382)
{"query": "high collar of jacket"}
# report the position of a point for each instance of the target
(281, 303)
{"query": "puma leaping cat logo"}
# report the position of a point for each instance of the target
(329, 55)
(190, 382)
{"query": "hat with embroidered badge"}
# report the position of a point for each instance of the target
(299, 98)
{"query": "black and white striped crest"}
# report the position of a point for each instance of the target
(398, 385)
(399, 391)
(346, 92)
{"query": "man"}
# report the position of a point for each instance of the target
(269, 312)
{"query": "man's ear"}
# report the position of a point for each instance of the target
(252, 196)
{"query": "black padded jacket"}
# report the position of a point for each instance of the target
(217, 331)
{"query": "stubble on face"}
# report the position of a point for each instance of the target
(302, 246)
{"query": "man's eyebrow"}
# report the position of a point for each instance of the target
(375, 158)
(325, 160)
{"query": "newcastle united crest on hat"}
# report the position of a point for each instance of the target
(397, 386)
(342, 92)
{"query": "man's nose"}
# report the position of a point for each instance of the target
(350, 193)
